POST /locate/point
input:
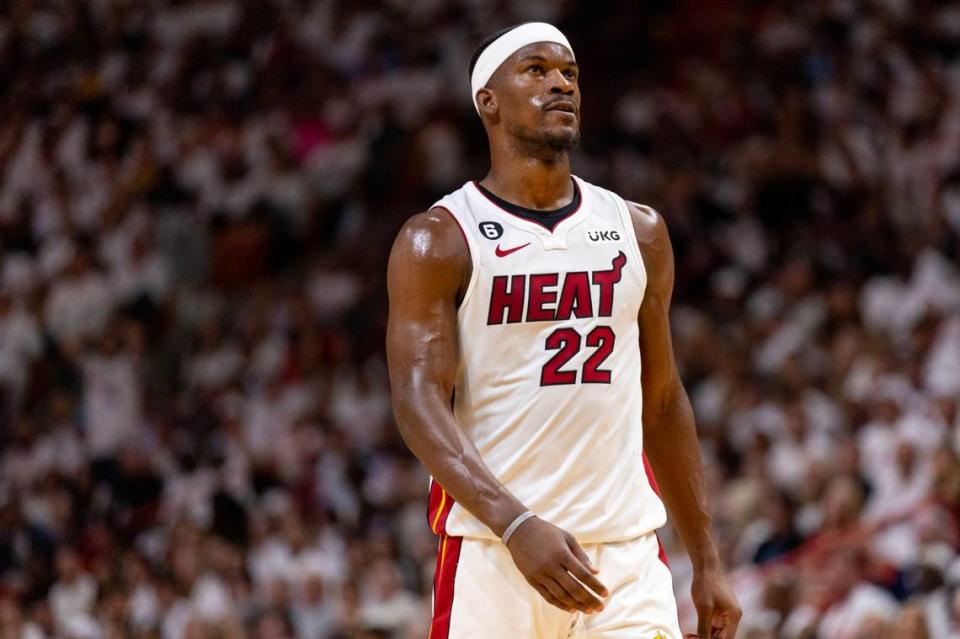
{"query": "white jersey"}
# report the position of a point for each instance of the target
(548, 386)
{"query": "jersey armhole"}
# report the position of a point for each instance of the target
(627, 219)
(472, 252)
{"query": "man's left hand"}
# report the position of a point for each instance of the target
(718, 612)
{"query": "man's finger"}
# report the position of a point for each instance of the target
(723, 632)
(548, 596)
(566, 601)
(731, 628)
(553, 601)
(726, 629)
(585, 600)
(582, 572)
(703, 624)
(579, 554)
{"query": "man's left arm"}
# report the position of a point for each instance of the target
(670, 435)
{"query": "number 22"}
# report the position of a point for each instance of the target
(566, 341)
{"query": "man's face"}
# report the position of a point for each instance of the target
(538, 97)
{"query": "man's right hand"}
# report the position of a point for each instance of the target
(547, 556)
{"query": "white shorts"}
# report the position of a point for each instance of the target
(480, 594)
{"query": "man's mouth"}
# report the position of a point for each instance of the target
(566, 107)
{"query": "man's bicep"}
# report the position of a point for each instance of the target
(421, 338)
(423, 277)
(656, 342)
(659, 370)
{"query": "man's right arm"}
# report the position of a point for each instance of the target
(429, 268)
(428, 271)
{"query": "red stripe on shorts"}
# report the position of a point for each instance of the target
(438, 508)
(448, 556)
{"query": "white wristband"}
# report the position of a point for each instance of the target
(512, 528)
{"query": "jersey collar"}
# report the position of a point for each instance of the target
(555, 239)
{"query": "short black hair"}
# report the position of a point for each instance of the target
(486, 43)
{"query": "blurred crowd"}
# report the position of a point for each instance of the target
(197, 200)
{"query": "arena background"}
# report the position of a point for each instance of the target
(197, 200)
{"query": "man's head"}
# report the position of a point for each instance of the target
(525, 87)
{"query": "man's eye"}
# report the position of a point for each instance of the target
(570, 74)
(536, 68)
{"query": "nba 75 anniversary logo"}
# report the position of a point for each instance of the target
(603, 235)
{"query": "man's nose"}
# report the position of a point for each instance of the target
(559, 83)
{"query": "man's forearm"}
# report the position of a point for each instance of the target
(431, 432)
(672, 447)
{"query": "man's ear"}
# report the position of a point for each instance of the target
(487, 102)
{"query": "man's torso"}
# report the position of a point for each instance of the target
(548, 386)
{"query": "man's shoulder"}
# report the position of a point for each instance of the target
(430, 252)
(648, 223)
(653, 240)
(433, 233)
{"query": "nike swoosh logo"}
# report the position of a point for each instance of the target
(505, 252)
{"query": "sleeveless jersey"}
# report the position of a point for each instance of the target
(548, 385)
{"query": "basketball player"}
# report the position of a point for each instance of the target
(521, 309)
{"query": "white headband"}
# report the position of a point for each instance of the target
(505, 46)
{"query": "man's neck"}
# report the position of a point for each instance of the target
(532, 183)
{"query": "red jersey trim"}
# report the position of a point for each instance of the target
(653, 484)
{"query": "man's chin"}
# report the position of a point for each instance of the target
(565, 139)
(561, 138)
(546, 140)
